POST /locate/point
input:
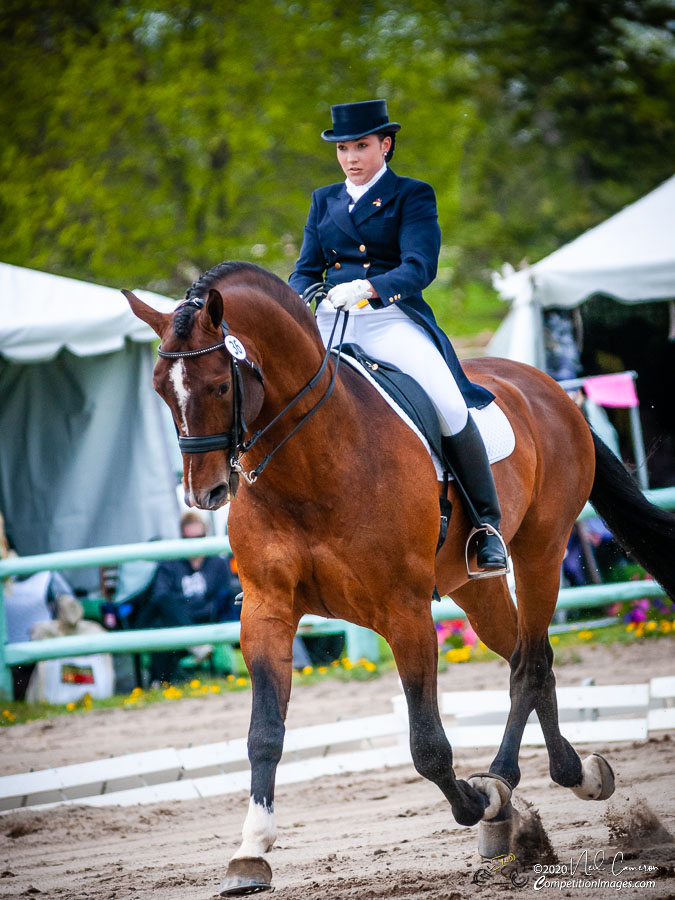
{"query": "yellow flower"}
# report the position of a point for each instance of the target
(195, 683)
(336, 662)
(230, 677)
(630, 626)
(241, 682)
(665, 626)
(322, 670)
(307, 670)
(215, 688)
(555, 639)
(136, 691)
(585, 635)
(458, 654)
(70, 707)
(651, 625)
(6, 713)
(369, 666)
(347, 663)
(172, 693)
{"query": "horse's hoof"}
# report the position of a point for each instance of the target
(496, 789)
(597, 779)
(246, 875)
(494, 835)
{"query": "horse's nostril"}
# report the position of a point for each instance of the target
(218, 496)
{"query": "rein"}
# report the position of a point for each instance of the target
(233, 440)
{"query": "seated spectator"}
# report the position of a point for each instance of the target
(30, 600)
(592, 554)
(192, 591)
(68, 679)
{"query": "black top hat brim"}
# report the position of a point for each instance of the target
(386, 128)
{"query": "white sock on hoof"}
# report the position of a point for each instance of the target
(597, 779)
(498, 792)
(259, 831)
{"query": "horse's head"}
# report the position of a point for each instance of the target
(213, 388)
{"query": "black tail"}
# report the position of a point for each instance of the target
(642, 529)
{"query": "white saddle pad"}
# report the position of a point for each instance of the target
(495, 428)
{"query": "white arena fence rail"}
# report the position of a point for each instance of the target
(588, 714)
(360, 642)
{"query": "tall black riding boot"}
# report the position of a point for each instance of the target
(466, 454)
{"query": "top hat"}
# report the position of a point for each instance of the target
(355, 120)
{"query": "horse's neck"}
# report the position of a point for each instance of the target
(291, 354)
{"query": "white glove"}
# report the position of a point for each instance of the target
(344, 296)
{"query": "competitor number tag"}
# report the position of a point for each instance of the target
(235, 347)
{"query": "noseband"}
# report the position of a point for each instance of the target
(233, 439)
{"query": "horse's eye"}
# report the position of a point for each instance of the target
(223, 389)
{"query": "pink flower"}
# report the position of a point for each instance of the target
(470, 636)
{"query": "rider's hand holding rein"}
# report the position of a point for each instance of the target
(344, 296)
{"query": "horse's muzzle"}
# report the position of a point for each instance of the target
(215, 497)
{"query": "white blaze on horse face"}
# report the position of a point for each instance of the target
(179, 382)
(259, 832)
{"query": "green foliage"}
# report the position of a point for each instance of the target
(147, 141)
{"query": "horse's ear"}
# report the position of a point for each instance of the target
(152, 317)
(214, 307)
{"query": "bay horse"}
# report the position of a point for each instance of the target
(344, 521)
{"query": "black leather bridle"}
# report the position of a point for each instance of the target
(234, 437)
(233, 440)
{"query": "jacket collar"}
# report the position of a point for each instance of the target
(384, 190)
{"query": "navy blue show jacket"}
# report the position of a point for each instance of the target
(392, 238)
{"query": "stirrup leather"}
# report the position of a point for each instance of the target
(486, 573)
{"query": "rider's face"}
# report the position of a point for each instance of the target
(362, 158)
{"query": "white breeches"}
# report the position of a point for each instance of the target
(390, 335)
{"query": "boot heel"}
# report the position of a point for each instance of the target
(486, 573)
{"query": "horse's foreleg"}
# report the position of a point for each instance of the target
(415, 649)
(267, 649)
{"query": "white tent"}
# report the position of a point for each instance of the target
(630, 257)
(84, 459)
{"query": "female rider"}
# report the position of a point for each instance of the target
(376, 237)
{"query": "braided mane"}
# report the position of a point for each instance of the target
(246, 273)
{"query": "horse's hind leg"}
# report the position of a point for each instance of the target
(413, 640)
(532, 684)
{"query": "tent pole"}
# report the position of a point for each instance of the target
(639, 448)
(6, 681)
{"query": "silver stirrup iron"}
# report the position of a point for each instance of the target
(486, 573)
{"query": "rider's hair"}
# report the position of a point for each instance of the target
(390, 153)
